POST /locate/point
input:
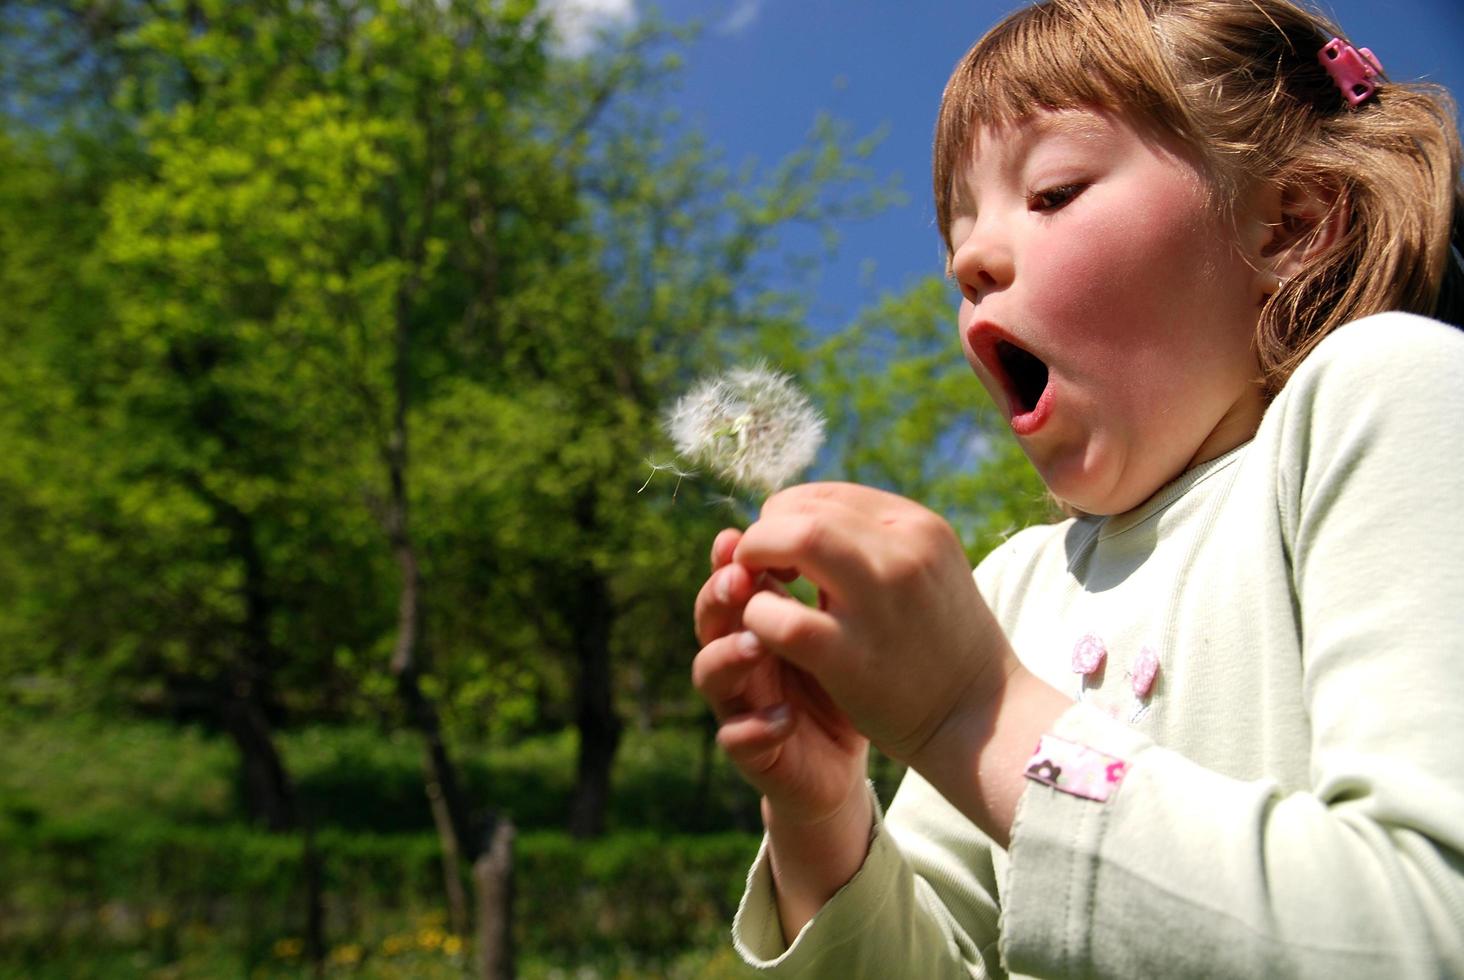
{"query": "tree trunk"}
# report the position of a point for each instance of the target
(270, 799)
(439, 775)
(408, 662)
(599, 727)
(440, 780)
(493, 888)
(452, 858)
(269, 795)
(245, 704)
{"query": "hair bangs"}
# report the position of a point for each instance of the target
(1055, 55)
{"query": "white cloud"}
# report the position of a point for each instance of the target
(580, 24)
(743, 15)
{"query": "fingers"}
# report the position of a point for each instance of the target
(720, 601)
(750, 733)
(849, 540)
(827, 545)
(723, 546)
(726, 543)
(804, 637)
(856, 495)
(723, 671)
(752, 740)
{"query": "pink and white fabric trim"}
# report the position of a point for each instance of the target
(1076, 769)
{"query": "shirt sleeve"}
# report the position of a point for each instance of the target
(1188, 872)
(922, 905)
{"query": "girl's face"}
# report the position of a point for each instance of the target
(1107, 306)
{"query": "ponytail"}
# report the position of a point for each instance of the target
(1450, 308)
(1394, 165)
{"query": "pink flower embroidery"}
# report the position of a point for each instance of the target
(1045, 772)
(1146, 668)
(1115, 771)
(1088, 655)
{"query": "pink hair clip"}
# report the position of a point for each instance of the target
(1353, 69)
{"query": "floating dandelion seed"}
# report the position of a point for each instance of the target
(675, 471)
(751, 426)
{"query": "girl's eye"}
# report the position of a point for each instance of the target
(1053, 198)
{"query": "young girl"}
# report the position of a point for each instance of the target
(1208, 726)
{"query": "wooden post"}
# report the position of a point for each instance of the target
(493, 883)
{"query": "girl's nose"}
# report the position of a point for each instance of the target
(982, 262)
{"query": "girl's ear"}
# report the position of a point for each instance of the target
(1303, 221)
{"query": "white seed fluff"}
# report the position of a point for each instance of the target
(752, 426)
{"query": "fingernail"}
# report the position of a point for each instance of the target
(778, 716)
(724, 588)
(748, 644)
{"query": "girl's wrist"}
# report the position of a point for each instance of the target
(811, 859)
(979, 760)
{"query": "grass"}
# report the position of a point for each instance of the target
(358, 778)
(354, 778)
(127, 857)
(350, 960)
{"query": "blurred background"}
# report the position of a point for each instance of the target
(340, 632)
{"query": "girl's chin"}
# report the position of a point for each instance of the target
(1088, 489)
(1102, 503)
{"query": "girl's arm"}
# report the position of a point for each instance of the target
(1342, 638)
(1189, 869)
(811, 861)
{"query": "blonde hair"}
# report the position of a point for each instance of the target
(1238, 82)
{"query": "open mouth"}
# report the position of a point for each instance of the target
(1026, 376)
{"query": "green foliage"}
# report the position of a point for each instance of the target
(121, 839)
(636, 895)
(354, 779)
(359, 780)
(310, 228)
(112, 771)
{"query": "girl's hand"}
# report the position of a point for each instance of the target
(778, 725)
(902, 640)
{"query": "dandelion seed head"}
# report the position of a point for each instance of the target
(751, 426)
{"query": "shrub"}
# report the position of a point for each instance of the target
(635, 894)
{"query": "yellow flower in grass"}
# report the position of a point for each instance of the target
(452, 945)
(430, 938)
(288, 949)
(347, 954)
(395, 945)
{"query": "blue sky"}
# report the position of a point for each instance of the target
(762, 70)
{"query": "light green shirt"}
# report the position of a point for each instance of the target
(1294, 802)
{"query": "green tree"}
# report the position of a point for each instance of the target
(374, 318)
(330, 245)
